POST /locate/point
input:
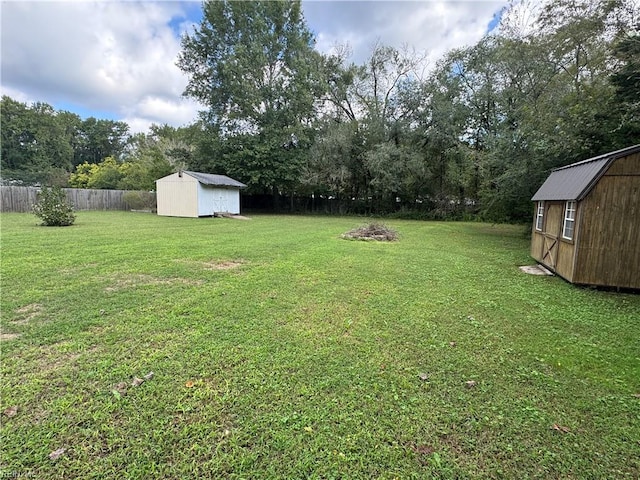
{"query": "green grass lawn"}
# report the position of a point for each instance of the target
(279, 350)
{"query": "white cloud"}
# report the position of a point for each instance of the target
(17, 94)
(118, 58)
(106, 56)
(434, 27)
(157, 110)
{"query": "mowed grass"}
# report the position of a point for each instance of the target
(279, 350)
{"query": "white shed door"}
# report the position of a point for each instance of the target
(220, 203)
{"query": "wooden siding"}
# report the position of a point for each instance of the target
(609, 250)
(537, 236)
(548, 247)
(629, 165)
(177, 196)
(566, 252)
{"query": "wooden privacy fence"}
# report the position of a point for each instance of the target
(21, 199)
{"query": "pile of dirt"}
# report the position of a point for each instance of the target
(372, 231)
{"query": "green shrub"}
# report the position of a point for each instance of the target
(53, 208)
(138, 200)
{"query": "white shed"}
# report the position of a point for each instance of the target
(193, 194)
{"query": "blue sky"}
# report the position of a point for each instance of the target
(116, 59)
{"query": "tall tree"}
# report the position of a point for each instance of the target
(372, 106)
(36, 147)
(99, 139)
(535, 98)
(252, 64)
(626, 80)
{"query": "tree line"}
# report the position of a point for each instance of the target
(475, 134)
(42, 146)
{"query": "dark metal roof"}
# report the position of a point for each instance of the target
(575, 181)
(572, 182)
(216, 180)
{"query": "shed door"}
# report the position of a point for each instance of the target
(553, 225)
(220, 202)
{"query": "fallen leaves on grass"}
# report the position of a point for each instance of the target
(422, 449)
(560, 428)
(122, 387)
(137, 382)
(11, 411)
(57, 453)
(190, 384)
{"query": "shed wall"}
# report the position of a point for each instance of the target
(177, 196)
(537, 236)
(228, 200)
(548, 247)
(218, 200)
(566, 253)
(609, 249)
(206, 198)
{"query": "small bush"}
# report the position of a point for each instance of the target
(53, 208)
(140, 200)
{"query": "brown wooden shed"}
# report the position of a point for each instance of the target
(586, 223)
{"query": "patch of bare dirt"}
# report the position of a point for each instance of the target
(56, 363)
(56, 356)
(27, 313)
(215, 264)
(8, 336)
(133, 281)
(221, 265)
(75, 270)
(372, 231)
